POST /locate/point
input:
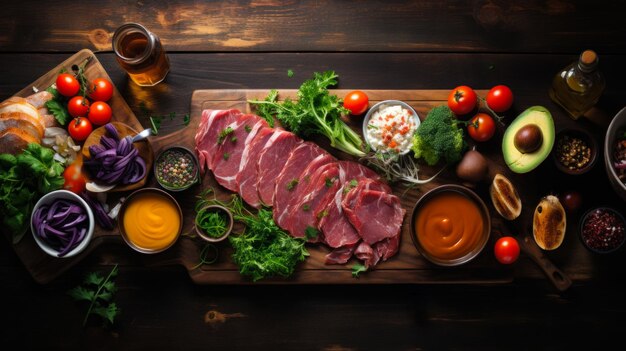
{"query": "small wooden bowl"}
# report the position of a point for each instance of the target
(583, 135)
(144, 147)
(217, 208)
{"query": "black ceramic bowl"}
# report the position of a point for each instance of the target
(602, 230)
(587, 139)
(176, 168)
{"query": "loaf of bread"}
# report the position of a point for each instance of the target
(20, 124)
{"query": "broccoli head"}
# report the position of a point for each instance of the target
(439, 137)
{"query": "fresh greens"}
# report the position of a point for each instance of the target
(357, 269)
(315, 112)
(439, 137)
(99, 292)
(211, 222)
(263, 249)
(23, 180)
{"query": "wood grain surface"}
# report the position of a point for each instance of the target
(372, 44)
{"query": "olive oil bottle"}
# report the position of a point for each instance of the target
(578, 86)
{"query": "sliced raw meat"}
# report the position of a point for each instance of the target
(337, 230)
(271, 162)
(281, 216)
(341, 255)
(355, 171)
(376, 215)
(309, 207)
(213, 122)
(367, 254)
(387, 247)
(352, 192)
(227, 158)
(289, 178)
(248, 175)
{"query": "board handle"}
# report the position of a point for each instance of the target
(558, 278)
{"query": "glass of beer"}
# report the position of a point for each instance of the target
(140, 54)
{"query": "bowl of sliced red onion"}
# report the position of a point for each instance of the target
(62, 224)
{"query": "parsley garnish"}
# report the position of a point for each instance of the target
(99, 292)
(329, 182)
(226, 156)
(223, 134)
(290, 73)
(233, 139)
(292, 184)
(247, 128)
(311, 233)
(306, 207)
(322, 214)
(358, 269)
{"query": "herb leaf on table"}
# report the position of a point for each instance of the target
(99, 291)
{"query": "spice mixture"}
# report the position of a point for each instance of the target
(176, 169)
(573, 153)
(603, 230)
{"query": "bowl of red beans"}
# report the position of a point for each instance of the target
(176, 168)
(603, 230)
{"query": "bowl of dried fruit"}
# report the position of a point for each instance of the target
(575, 151)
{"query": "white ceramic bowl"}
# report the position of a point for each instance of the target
(49, 198)
(376, 107)
(619, 122)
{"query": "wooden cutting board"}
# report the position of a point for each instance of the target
(407, 267)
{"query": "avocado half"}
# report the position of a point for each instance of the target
(520, 162)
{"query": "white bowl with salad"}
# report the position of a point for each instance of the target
(389, 126)
(62, 224)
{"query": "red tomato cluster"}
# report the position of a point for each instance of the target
(87, 111)
(462, 100)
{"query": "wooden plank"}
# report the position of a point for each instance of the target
(406, 267)
(328, 25)
(43, 267)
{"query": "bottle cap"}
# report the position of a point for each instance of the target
(588, 61)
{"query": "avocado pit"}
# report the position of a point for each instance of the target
(528, 138)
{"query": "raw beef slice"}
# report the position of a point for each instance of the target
(308, 208)
(227, 159)
(248, 175)
(211, 124)
(281, 217)
(376, 216)
(271, 162)
(289, 178)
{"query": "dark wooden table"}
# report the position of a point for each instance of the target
(373, 45)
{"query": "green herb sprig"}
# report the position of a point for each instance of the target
(315, 112)
(262, 249)
(99, 292)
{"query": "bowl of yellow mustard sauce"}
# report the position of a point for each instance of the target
(150, 220)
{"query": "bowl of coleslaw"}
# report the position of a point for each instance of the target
(388, 127)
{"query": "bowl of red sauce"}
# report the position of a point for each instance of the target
(450, 225)
(603, 230)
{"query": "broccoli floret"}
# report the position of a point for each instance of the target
(439, 137)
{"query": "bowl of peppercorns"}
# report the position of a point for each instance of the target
(603, 230)
(176, 168)
(575, 151)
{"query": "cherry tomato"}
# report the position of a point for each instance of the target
(357, 102)
(500, 98)
(99, 113)
(571, 200)
(80, 128)
(506, 250)
(78, 106)
(462, 100)
(481, 127)
(67, 84)
(100, 89)
(74, 179)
